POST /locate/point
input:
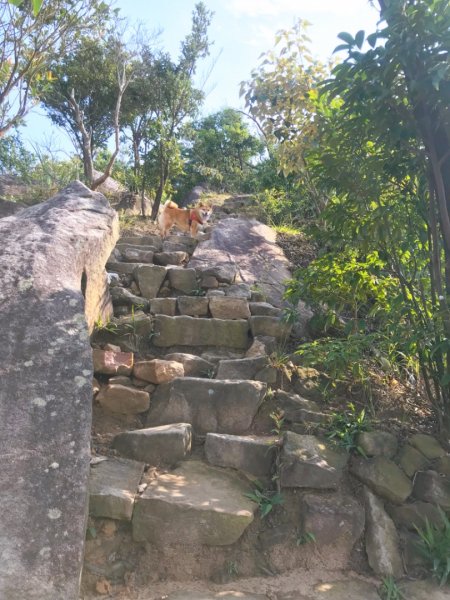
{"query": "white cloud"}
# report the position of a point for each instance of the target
(300, 8)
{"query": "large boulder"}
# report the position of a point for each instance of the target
(251, 247)
(195, 504)
(53, 288)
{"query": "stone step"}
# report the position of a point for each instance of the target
(194, 331)
(166, 444)
(310, 462)
(254, 455)
(113, 484)
(210, 405)
(194, 504)
(145, 240)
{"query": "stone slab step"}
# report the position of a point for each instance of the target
(210, 405)
(310, 462)
(113, 484)
(194, 504)
(145, 240)
(166, 444)
(230, 595)
(254, 455)
(191, 331)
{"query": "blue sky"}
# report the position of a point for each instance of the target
(241, 31)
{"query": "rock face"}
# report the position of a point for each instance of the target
(251, 246)
(198, 504)
(52, 255)
(209, 405)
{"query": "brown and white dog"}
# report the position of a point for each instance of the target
(186, 219)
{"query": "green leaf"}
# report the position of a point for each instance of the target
(346, 37)
(359, 38)
(36, 4)
(341, 47)
(372, 39)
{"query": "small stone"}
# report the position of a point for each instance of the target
(383, 476)
(225, 273)
(192, 306)
(166, 444)
(411, 460)
(112, 363)
(333, 519)
(133, 255)
(429, 486)
(250, 454)
(264, 309)
(377, 443)
(223, 307)
(122, 297)
(308, 461)
(113, 484)
(194, 366)
(428, 445)
(262, 345)
(103, 587)
(163, 306)
(158, 371)
(123, 400)
(183, 280)
(239, 290)
(382, 542)
(244, 368)
(95, 386)
(208, 282)
(269, 326)
(442, 465)
(414, 514)
(171, 258)
(149, 279)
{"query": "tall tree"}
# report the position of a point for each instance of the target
(221, 150)
(279, 97)
(179, 98)
(385, 152)
(28, 42)
(86, 95)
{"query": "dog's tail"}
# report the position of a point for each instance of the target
(170, 204)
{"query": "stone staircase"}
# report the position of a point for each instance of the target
(187, 394)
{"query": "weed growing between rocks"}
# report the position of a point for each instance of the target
(434, 545)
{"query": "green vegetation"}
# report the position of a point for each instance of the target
(389, 590)
(359, 150)
(265, 499)
(435, 547)
(344, 427)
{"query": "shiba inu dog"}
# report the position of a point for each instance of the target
(186, 219)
